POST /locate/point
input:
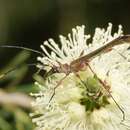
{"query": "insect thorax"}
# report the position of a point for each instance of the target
(72, 68)
(63, 68)
(78, 66)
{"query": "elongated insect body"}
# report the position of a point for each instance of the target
(80, 64)
(103, 49)
(73, 67)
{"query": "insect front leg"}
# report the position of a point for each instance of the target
(54, 89)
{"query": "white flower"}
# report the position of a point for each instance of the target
(84, 105)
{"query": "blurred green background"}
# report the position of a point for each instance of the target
(28, 23)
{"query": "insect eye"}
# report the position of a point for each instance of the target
(55, 69)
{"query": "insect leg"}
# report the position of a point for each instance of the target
(120, 54)
(85, 85)
(106, 88)
(78, 76)
(54, 89)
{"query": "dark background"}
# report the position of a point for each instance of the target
(28, 23)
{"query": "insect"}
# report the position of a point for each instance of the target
(79, 64)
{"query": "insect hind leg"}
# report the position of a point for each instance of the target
(106, 88)
(124, 57)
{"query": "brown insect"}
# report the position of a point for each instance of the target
(79, 64)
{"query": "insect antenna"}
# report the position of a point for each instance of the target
(23, 48)
(14, 68)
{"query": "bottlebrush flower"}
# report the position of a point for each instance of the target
(83, 104)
